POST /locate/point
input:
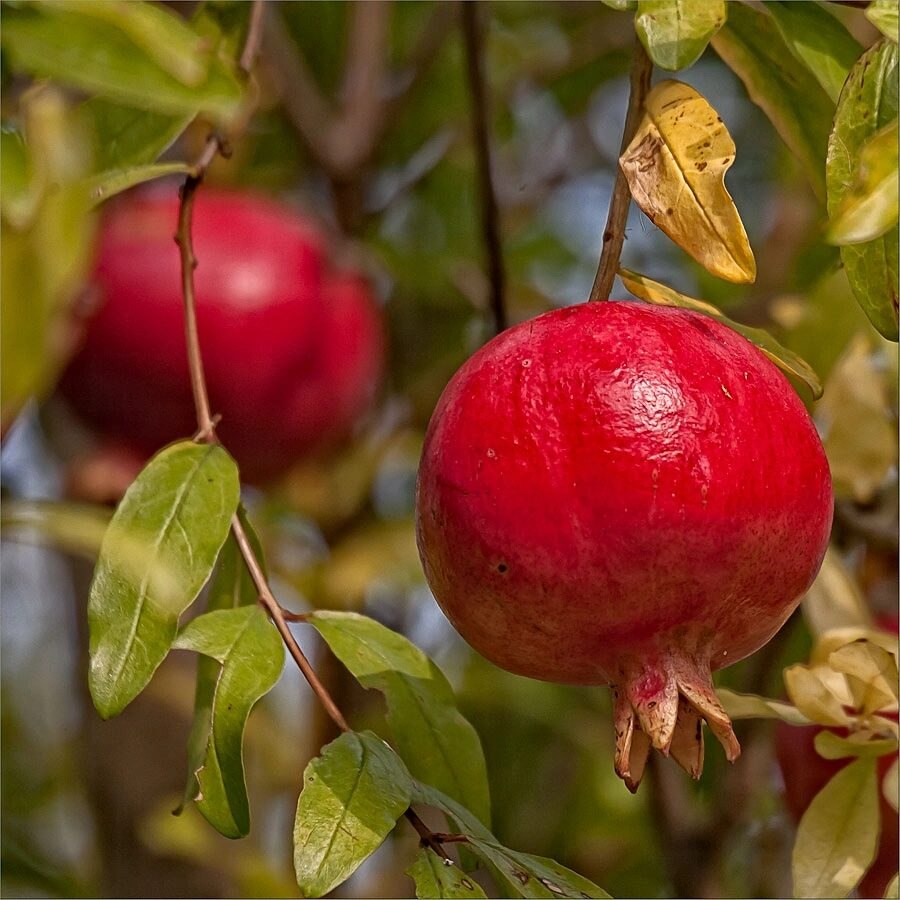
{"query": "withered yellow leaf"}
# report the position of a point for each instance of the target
(675, 168)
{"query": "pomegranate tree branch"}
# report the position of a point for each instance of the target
(614, 233)
(490, 218)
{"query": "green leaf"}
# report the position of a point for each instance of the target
(832, 746)
(179, 511)
(231, 588)
(751, 706)
(436, 879)
(676, 32)
(868, 103)
(838, 835)
(436, 742)
(892, 890)
(870, 206)
(621, 4)
(126, 137)
(251, 654)
(19, 196)
(518, 874)
(817, 40)
(660, 294)
(885, 16)
(107, 184)
(62, 44)
(72, 527)
(889, 785)
(782, 87)
(352, 796)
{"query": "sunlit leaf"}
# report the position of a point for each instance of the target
(871, 674)
(751, 706)
(231, 588)
(621, 4)
(860, 442)
(660, 294)
(435, 879)
(20, 194)
(892, 891)
(352, 796)
(836, 638)
(838, 835)
(889, 785)
(835, 600)
(181, 506)
(885, 16)
(74, 528)
(676, 32)
(780, 85)
(814, 696)
(675, 167)
(818, 40)
(251, 654)
(61, 43)
(869, 207)
(434, 739)
(113, 181)
(831, 746)
(867, 104)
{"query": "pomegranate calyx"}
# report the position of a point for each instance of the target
(663, 705)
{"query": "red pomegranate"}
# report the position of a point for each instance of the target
(625, 494)
(273, 331)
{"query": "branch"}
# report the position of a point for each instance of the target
(614, 233)
(490, 219)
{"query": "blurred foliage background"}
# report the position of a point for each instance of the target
(87, 804)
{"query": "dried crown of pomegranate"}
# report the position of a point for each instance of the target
(624, 494)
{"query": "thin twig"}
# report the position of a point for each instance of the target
(614, 233)
(490, 217)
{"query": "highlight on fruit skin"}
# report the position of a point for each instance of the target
(622, 494)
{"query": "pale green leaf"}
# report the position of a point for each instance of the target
(885, 16)
(675, 166)
(20, 195)
(676, 32)
(352, 796)
(61, 44)
(72, 527)
(113, 181)
(868, 103)
(870, 206)
(621, 4)
(752, 706)
(890, 786)
(871, 673)
(831, 746)
(251, 654)
(434, 739)
(786, 360)
(782, 87)
(815, 693)
(180, 508)
(838, 835)
(435, 879)
(892, 891)
(125, 137)
(818, 40)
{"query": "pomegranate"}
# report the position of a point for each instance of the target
(292, 354)
(624, 494)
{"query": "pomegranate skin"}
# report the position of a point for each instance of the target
(626, 494)
(265, 320)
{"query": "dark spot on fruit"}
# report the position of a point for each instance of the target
(669, 211)
(701, 166)
(502, 568)
(651, 704)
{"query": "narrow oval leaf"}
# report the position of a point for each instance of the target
(838, 834)
(892, 891)
(870, 206)
(437, 743)
(158, 551)
(885, 16)
(113, 181)
(352, 796)
(61, 44)
(125, 137)
(251, 654)
(835, 600)
(832, 746)
(435, 879)
(231, 588)
(752, 706)
(676, 32)
(795, 103)
(786, 360)
(818, 40)
(867, 104)
(890, 786)
(675, 167)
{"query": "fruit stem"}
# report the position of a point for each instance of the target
(614, 233)
(490, 217)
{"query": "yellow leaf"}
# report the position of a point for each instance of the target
(892, 891)
(818, 694)
(838, 835)
(834, 600)
(786, 360)
(890, 788)
(751, 706)
(871, 674)
(835, 638)
(861, 743)
(676, 167)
